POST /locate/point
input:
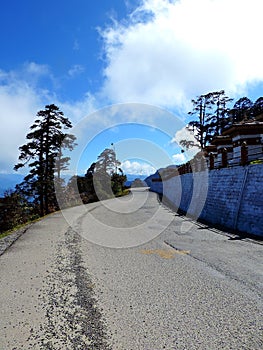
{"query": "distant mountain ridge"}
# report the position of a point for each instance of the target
(9, 182)
(132, 177)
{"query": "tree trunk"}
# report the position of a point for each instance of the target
(41, 177)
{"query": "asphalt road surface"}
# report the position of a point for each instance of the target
(130, 274)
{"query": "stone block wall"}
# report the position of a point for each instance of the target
(231, 197)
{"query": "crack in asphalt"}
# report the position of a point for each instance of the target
(224, 273)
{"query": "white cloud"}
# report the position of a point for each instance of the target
(170, 51)
(77, 110)
(36, 69)
(75, 70)
(19, 104)
(185, 135)
(137, 168)
(76, 46)
(20, 100)
(179, 158)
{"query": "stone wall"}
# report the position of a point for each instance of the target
(230, 197)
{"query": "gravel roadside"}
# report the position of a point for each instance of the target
(10, 239)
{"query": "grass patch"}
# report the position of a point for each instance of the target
(4, 234)
(259, 161)
(15, 228)
(123, 193)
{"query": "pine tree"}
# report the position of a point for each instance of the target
(40, 153)
(202, 107)
(107, 162)
(212, 118)
(219, 119)
(241, 110)
(105, 174)
(257, 107)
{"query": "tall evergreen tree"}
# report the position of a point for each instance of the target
(107, 162)
(257, 107)
(242, 109)
(44, 146)
(211, 118)
(202, 108)
(105, 174)
(67, 141)
(219, 118)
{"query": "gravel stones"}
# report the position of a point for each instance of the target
(73, 320)
(7, 241)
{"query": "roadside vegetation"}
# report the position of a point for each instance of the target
(43, 156)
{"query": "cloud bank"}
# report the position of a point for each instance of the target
(134, 167)
(170, 51)
(21, 97)
(19, 104)
(179, 158)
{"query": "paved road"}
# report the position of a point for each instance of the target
(130, 274)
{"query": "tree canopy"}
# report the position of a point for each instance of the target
(107, 162)
(257, 107)
(242, 109)
(213, 116)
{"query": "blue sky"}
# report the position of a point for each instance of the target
(150, 56)
(62, 38)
